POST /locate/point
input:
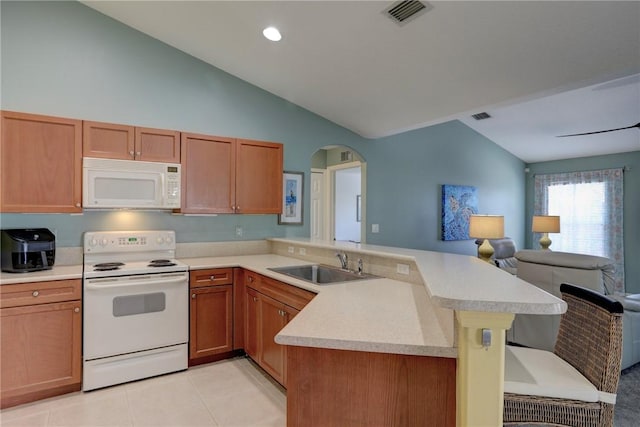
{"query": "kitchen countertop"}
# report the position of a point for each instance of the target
(62, 272)
(459, 282)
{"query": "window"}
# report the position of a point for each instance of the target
(590, 208)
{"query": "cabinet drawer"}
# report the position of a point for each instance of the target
(252, 280)
(31, 293)
(211, 277)
(287, 294)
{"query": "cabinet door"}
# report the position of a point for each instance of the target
(157, 145)
(289, 313)
(272, 320)
(41, 349)
(208, 174)
(108, 140)
(211, 321)
(41, 163)
(251, 324)
(258, 177)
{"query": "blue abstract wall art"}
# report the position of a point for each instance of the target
(459, 202)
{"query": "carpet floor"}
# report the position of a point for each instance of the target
(627, 410)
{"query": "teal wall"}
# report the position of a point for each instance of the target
(631, 161)
(65, 59)
(410, 169)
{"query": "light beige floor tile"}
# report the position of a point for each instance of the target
(251, 408)
(38, 419)
(25, 410)
(173, 402)
(105, 409)
(225, 379)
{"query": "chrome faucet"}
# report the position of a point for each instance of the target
(344, 260)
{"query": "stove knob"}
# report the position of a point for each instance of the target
(104, 241)
(169, 239)
(160, 240)
(93, 242)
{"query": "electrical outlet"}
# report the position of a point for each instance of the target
(291, 249)
(302, 251)
(375, 228)
(402, 268)
(238, 231)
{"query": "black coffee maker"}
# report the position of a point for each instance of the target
(27, 249)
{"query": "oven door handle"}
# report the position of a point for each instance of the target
(131, 283)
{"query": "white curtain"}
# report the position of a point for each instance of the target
(590, 206)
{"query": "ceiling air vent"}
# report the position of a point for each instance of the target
(481, 116)
(404, 11)
(346, 156)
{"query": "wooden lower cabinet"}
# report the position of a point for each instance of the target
(41, 341)
(251, 324)
(328, 387)
(211, 314)
(269, 306)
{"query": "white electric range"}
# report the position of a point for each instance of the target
(136, 307)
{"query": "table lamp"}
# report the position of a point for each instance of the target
(486, 227)
(545, 224)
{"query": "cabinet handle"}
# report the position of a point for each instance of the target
(193, 296)
(76, 310)
(77, 205)
(255, 299)
(131, 154)
(237, 208)
(138, 154)
(250, 279)
(35, 293)
(212, 278)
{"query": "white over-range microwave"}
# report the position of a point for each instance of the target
(129, 184)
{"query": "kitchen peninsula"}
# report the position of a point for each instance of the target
(438, 310)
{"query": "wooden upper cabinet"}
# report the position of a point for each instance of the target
(225, 175)
(108, 140)
(258, 177)
(157, 145)
(114, 141)
(41, 162)
(208, 174)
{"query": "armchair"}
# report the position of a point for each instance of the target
(547, 270)
(566, 386)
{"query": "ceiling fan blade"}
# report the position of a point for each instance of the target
(637, 125)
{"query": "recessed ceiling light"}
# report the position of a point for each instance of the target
(272, 34)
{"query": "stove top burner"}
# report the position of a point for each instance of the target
(161, 263)
(107, 266)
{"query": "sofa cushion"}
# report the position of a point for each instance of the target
(575, 262)
(535, 372)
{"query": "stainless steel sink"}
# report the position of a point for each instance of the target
(321, 274)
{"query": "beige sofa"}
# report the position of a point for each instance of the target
(548, 270)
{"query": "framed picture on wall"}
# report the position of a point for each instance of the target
(459, 202)
(292, 198)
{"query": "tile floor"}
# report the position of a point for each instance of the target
(228, 393)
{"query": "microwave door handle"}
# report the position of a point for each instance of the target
(133, 283)
(43, 255)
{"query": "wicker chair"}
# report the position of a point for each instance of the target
(580, 377)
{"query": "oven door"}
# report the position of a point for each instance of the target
(134, 313)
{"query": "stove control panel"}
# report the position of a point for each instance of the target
(129, 241)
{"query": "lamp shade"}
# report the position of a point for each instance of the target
(486, 226)
(545, 224)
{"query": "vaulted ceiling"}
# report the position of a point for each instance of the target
(539, 68)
